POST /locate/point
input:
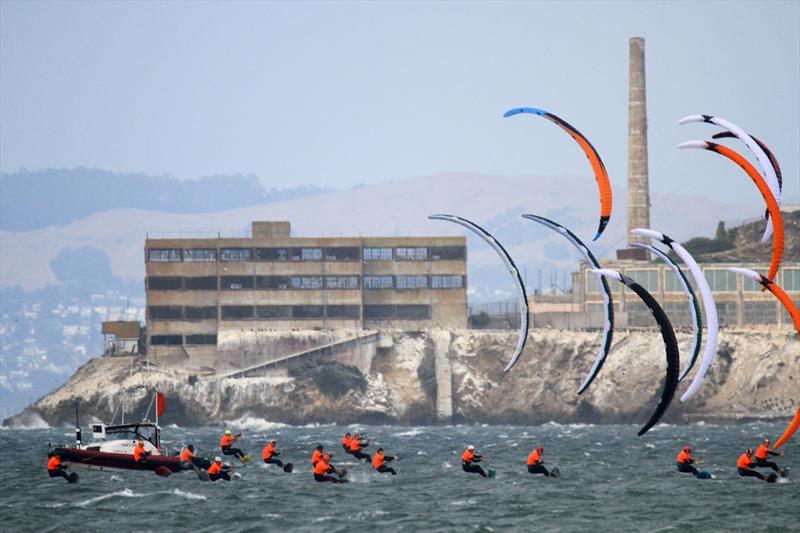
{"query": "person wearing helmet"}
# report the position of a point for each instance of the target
(686, 461)
(218, 471)
(226, 443)
(745, 464)
(469, 460)
(536, 463)
(140, 453)
(762, 454)
(322, 468)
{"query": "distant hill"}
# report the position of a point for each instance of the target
(393, 208)
(54, 197)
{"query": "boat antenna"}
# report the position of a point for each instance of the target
(77, 426)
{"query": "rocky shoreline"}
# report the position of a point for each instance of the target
(442, 376)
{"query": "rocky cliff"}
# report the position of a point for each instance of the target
(457, 376)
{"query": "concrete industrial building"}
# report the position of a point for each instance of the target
(198, 289)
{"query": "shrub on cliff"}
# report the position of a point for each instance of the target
(479, 321)
(331, 378)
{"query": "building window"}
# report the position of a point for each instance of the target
(200, 255)
(593, 284)
(162, 312)
(307, 311)
(726, 313)
(639, 316)
(166, 340)
(342, 254)
(272, 283)
(379, 312)
(306, 254)
(306, 282)
(378, 282)
(672, 283)
(760, 313)
(412, 282)
(646, 278)
(202, 339)
(447, 282)
(164, 283)
(411, 254)
(272, 254)
(377, 254)
(164, 255)
(273, 311)
(236, 283)
(791, 279)
(205, 283)
(200, 313)
(448, 253)
(341, 282)
(343, 311)
(750, 285)
(720, 280)
(237, 312)
(679, 313)
(413, 312)
(233, 255)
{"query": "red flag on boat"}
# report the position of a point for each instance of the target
(160, 404)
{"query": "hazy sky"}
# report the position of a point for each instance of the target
(336, 94)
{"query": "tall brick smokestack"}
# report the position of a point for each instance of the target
(638, 181)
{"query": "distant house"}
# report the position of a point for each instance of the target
(121, 337)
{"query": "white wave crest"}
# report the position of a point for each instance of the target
(253, 423)
(410, 433)
(187, 495)
(29, 421)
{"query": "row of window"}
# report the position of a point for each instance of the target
(759, 312)
(177, 340)
(291, 312)
(341, 253)
(232, 283)
(719, 280)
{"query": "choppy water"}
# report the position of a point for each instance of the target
(612, 481)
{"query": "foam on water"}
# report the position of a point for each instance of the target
(253, 423)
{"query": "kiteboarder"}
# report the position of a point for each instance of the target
(139, 453)
(469, 459)
(745, 464)
(379, 460)
(355, 448)
(217, 471)
(762, 453)
(54, 467)
(226, 443)
(536, 463)
(686, 461)
(346, 441)
(322, 468)
(317, 455)
(269, 454)
(187, 455)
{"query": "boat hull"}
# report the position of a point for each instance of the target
(98, 460)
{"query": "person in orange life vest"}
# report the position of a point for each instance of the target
(187, 456)
(346, 441)
(270, 454)
(317, 455)
(379, 460)
(762, 453)
(322, 468)
(686, 461)
(226, 443)
(536, 463)
(54, 468)
(746, 463)
(355, 448)
(469, 459)
(217, 471)
(139, 452)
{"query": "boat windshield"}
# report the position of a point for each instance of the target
(133, 432)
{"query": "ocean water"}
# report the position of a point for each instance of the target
(612, 480)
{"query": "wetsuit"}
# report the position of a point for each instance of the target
(54, 468)
(685, 463)
(346, 442)
(762, 453)
(744, 465)
(215, 472)
(355, 450)
(378, 463)
(226, 443)
(535, 464)
(321, 470)
(269, 453)
(316, 457)
(468, 460)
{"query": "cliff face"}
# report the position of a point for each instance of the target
(444, 376)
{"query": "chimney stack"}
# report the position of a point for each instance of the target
(638, 181)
